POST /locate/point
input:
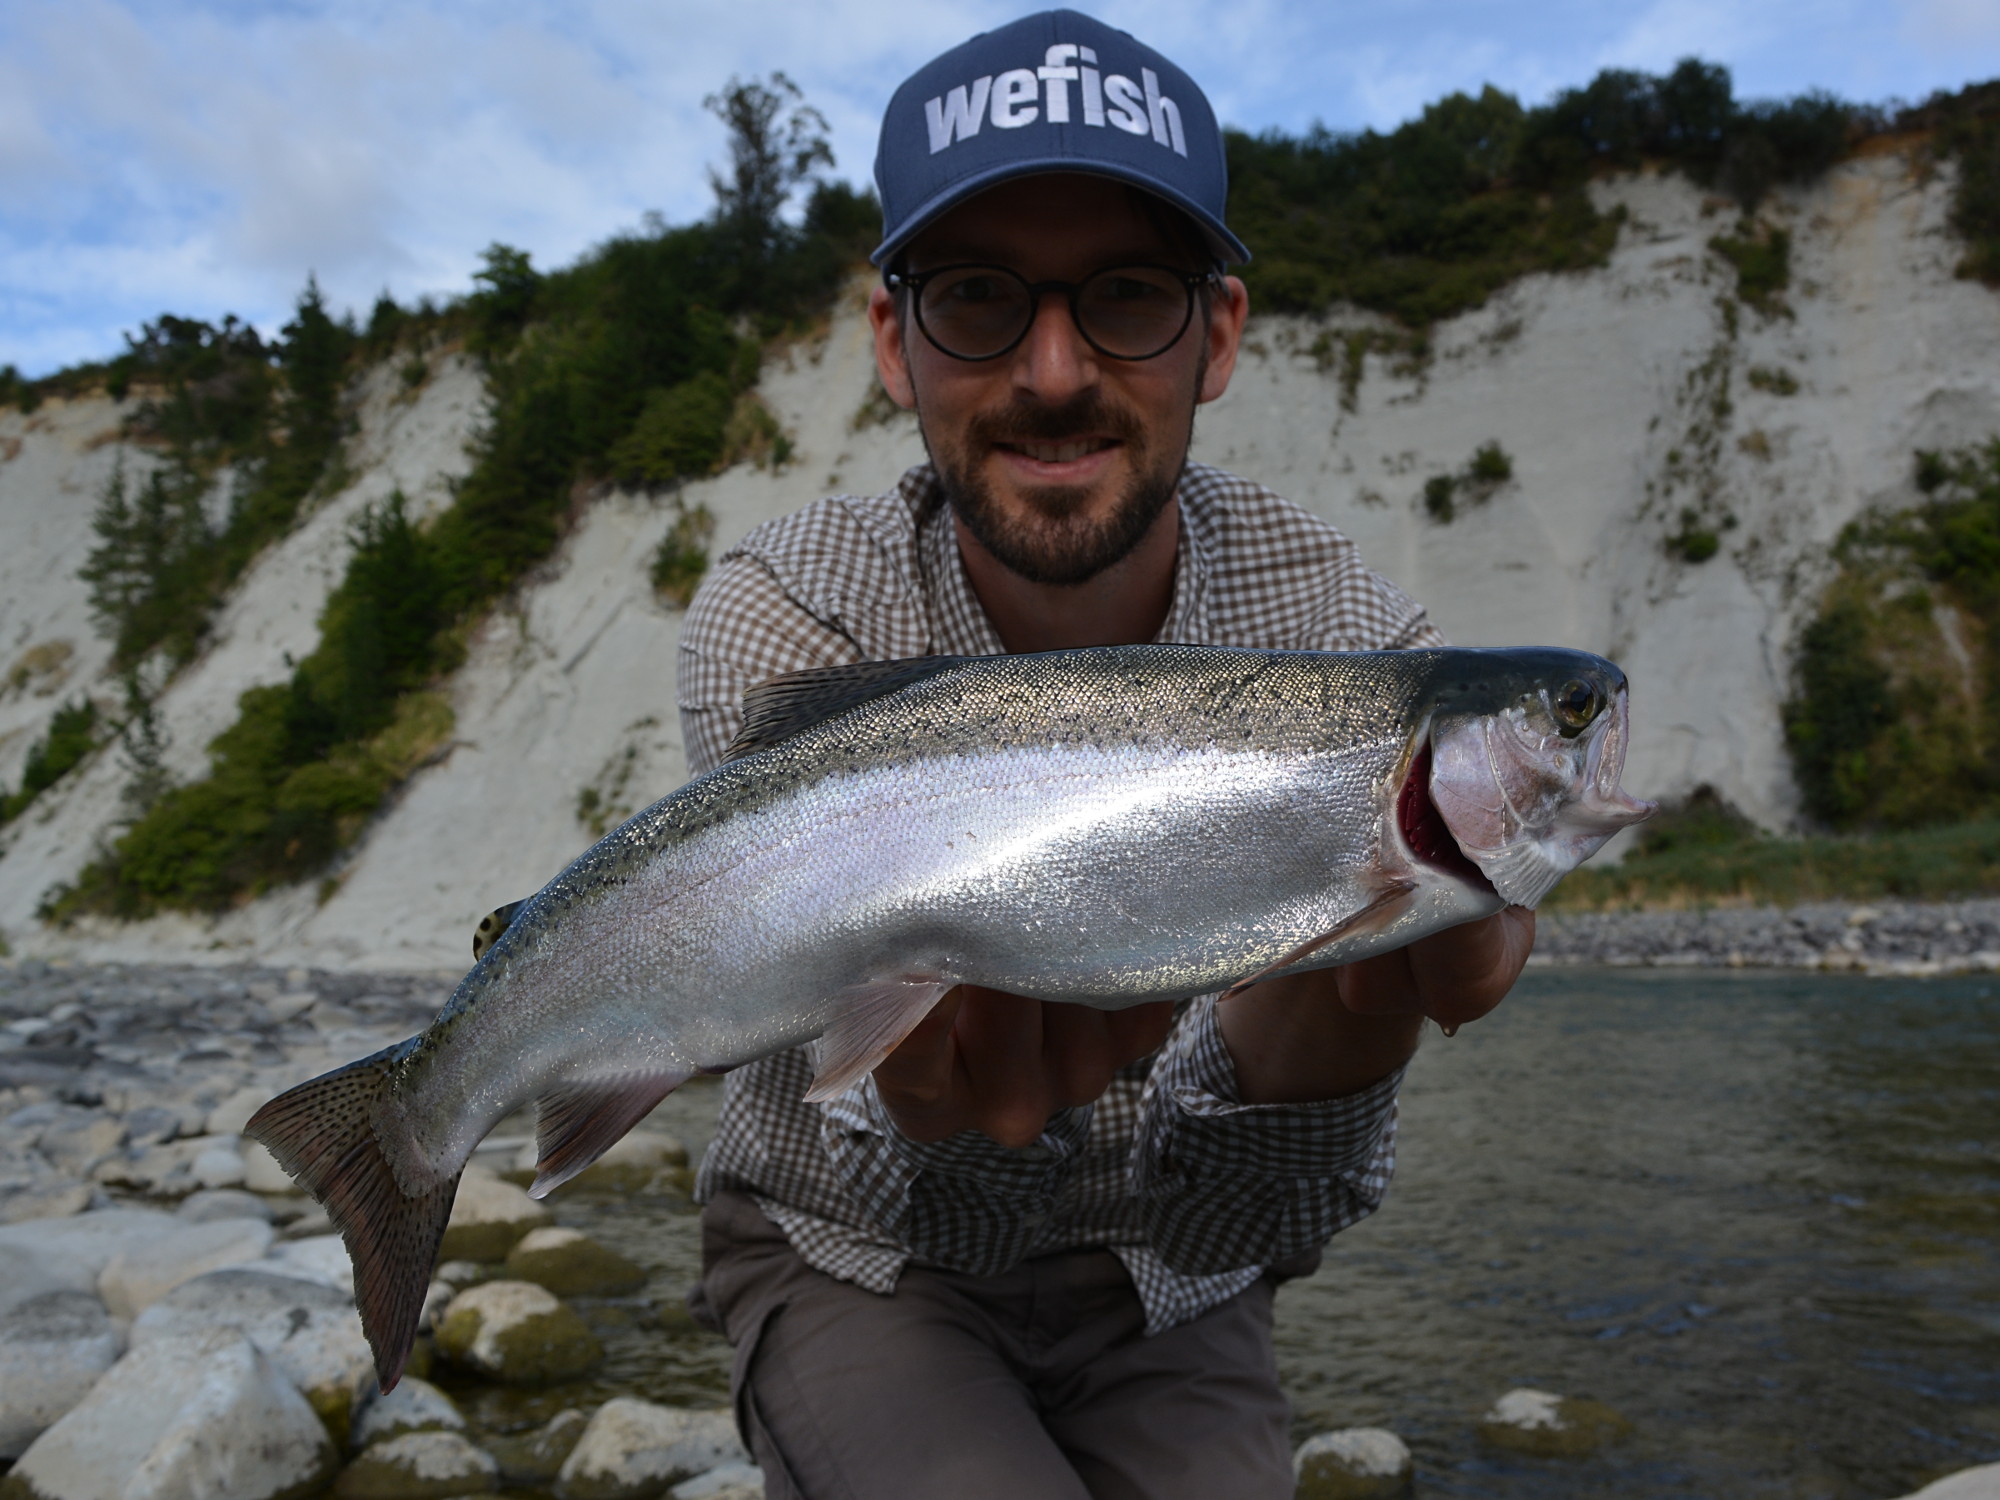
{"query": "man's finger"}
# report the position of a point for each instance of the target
(920, 1072)
(1138, 1030)
(1078, 1054)
(999, 1040)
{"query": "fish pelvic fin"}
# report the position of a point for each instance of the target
(866, 1022)
(579, 1122)
(324, 1134)
(1391, 902)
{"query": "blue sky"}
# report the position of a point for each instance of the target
(201, 158)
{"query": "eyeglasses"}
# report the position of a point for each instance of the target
(975, 312)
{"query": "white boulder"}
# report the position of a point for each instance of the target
(308, 1330)
(1982, 1483)
(488, 1217)
(69, 1254)
(140, 1274)
(634, 1448)
(532, 1460)
(633, 1164)
(420, 1466)
(221, 1203)
(80, 1139)
(232, 1114)
(516, 1331)
(165, 1169)
(44, 1195)
(261, 1172)
(52, 1350)
(198, 1416)
(318, 1257)
(732, 1481)
(572, 1264)
(1354, 1463)
(218, 1163)
(413, 1406)
(1545, 1425)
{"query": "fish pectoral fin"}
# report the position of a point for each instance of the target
(866, 1022)
(1390, 903)
(491, 926)
(579, 1122)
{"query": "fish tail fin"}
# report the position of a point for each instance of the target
(324, 1134)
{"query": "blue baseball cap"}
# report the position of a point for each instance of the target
(1054, 92)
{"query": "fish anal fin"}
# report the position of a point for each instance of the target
(579, 1122)
(1390, 903)
(866, 1022)
(780, 707)
(324, 1133)
(495, 922)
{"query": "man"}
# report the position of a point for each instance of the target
(1034, 1253)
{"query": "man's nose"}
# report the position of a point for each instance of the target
(1054, 361)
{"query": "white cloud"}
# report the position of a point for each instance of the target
(202, 157)
(1946, 25)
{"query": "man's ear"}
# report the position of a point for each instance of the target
(891, 362)
(1227, 311)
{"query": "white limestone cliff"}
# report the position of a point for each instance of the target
(1602, 387)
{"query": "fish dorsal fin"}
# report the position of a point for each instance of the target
(777, 709)
(487, 933)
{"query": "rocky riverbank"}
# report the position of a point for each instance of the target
(1915, 938)
(175, 1318)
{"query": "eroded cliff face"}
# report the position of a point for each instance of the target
(1624, 398)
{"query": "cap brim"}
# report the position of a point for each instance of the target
(1227, 247)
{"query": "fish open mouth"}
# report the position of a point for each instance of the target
(1423, 826)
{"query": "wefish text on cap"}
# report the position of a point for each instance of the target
(1054, 92)
(1139, 108)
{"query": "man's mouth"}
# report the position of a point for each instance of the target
(1066, 452)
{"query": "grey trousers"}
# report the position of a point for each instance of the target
(1036, 1384)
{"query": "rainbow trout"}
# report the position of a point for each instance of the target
(1101, 827)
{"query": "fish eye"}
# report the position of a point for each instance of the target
(1577, 703)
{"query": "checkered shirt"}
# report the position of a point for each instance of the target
(1195, 1191)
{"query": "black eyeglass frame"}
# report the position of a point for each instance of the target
(1191, 281)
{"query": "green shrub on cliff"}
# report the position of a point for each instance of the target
(1894, 718)
(72, 734)
(628, 364)
(1432, 218)
(218, 401)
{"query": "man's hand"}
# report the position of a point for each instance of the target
(1330, 1032)
(1000, 1064)
(986, 1061)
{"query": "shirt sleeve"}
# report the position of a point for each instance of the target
(742, 629)
(966, 1203)
(1223, 1184)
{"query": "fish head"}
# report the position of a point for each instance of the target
(1523, 766)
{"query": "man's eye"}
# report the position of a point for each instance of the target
(976, 289)
(1130, 289)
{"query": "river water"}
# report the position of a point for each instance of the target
(1759, 1214)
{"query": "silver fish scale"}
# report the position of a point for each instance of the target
(1104, 826)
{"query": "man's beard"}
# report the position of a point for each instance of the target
(1058, 543)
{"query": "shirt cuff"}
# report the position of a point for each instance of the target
(1223, 1184)
(1196, 1081)
(1033, 1171)
(966, 1203)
